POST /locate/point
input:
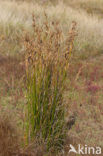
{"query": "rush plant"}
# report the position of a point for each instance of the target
(47, 61)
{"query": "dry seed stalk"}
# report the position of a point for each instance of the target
(48, 50)
(70, 40)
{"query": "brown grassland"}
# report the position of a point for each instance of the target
(51, 76)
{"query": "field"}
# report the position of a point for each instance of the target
(83, 93)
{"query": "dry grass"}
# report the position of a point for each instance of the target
(92, 7)
(90, 32)
(8, 136)
(11, 80)
(83, 100)
(10, 139)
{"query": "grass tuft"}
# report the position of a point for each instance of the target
(47, 62)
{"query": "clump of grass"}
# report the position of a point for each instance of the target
(47, 62)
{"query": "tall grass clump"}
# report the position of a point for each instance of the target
(47, 62)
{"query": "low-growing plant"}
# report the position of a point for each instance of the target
(47, 62)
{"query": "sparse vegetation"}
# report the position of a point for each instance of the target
(73, 99)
